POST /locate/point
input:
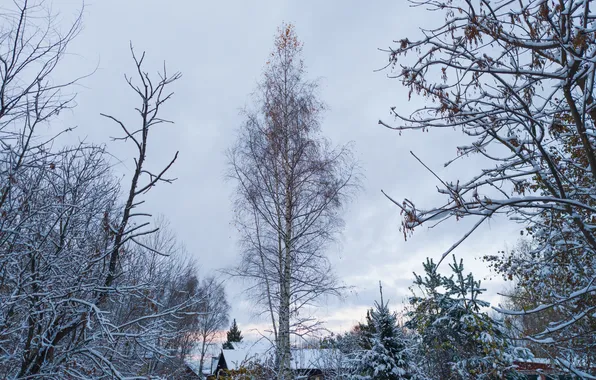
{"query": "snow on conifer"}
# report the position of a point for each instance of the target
(458, 340)
(387, 357)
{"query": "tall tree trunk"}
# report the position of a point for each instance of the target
(202, 357)
(292, 184)
(284, 314)
(284, 309)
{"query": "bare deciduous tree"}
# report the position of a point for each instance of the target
(212, 317)
(166, 276)
(291, 187)
(152, 95)
(71, 303)
(517, 78)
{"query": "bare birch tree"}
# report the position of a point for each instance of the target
(166, 276)
(517, 78)
(291, 187)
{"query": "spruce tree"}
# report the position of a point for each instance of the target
(457, 339)
(386, 359)
(234, 335)
(364, 331)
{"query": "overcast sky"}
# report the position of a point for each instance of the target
(221, 47)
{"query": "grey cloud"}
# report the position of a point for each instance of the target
(221, 47)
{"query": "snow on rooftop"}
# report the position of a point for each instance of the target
(309, 358)
(262, 351)
(245, 352)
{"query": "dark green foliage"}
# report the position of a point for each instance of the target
(457, 339)
(384, 346)
(234, 335)
(365, 331)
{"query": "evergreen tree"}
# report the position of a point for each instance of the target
(234, 335)
(457, 339)
(364, 331)
(386, 359)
